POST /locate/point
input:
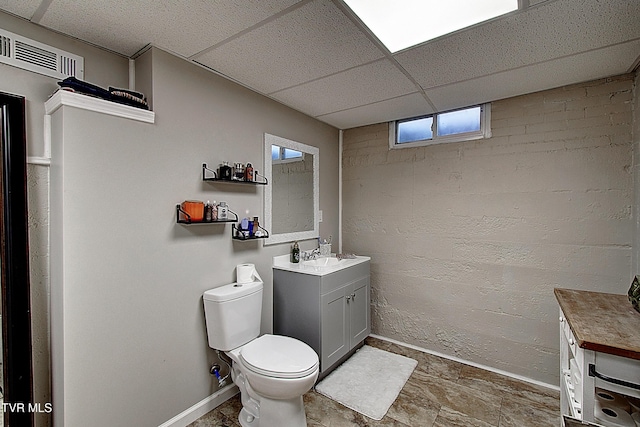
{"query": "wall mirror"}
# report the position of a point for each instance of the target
(292, 197)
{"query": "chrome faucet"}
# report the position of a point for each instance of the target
(307, 255)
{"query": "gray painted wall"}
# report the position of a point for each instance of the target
(223, 121)
(129, 342)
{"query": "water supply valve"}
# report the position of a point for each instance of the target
(215, 370)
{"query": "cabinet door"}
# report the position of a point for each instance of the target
(359, 311)
(335, 333)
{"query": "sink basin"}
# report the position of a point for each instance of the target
(322, 262)
(316, 267)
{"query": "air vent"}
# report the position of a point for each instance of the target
(40, 58)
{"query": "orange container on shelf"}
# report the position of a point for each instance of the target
(193, 208)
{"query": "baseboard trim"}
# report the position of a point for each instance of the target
(207, 404)
(466, 362)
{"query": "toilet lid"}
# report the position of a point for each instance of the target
(279, 356)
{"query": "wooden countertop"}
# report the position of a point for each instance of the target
(602, 322)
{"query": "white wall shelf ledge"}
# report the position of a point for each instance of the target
(85, 102)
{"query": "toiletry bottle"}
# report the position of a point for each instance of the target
(238, 173)
(256, 225)
(248, 172)
(214, 211)
(207, 211)
(295, 253)
(225, 171)
(223, 211)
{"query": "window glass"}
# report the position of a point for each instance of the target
(465, 124)
(275, 152)
(281, 154)
(291, 154)
(460, 121)
(415, 130)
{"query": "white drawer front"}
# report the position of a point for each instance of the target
(617, 368)
(566, 329)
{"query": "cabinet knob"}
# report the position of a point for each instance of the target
(348, 298)
(561, 319)
(353, 296)
(571, 341)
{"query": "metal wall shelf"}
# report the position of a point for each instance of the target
(237, 234)
(186, 218)
(207, 177)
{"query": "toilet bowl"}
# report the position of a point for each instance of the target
(271, 371)
(276, 366)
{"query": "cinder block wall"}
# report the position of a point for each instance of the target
(469, 239)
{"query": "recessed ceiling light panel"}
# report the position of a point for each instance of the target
(400, 24)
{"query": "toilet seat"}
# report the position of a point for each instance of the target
(279, 357)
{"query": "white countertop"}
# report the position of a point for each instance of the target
(283, 262)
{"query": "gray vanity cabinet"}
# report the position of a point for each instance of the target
(331, 313)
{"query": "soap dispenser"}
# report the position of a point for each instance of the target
(295, 253)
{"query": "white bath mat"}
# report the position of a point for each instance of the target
(368, 382)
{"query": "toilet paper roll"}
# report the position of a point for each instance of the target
(246, 273)
(609, 399)
(612, 416)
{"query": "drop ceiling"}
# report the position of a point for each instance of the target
(317, 57)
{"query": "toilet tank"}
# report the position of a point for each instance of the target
(233, 314)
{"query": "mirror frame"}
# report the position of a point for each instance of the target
(274, 238)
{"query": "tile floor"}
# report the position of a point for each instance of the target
(439, 393)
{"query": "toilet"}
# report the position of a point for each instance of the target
(271, 371)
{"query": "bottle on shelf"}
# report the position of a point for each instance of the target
(207, 212)
(243, 230)
(238, 174)
(223, 211)
(225, 171)
(256, 227)
(214, 211)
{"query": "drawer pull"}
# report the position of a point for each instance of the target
(594, 373)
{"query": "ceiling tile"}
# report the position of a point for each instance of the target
(314, 57)
(23, 8)
(397, 108)
(310, 42)
(539, 34)
(357, 86)
(564, 71)
(181, 26)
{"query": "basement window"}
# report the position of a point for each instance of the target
(285, 155)
(465, 124)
